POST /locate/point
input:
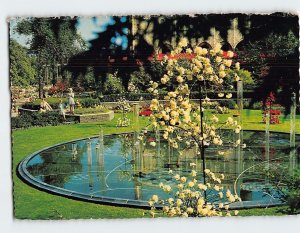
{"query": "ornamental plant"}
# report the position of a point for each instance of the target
(187, 197)
(183, 122)
(181, 119)
(124, 105)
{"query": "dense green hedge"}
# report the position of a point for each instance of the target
(87, 102)
(27, 120)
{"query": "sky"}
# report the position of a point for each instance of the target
(87, 27)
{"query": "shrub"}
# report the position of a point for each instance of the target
(98, 109)
(113, 85)
(231, 104)
(89, 102)
(36, 119)
(286, 183)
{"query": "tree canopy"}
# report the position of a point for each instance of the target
(22, 65)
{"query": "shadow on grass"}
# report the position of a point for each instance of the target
(286, 210)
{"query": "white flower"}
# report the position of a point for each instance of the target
(192, 164)
(230, 54)
(179, 202)
(151, 203)
(227, 62)
(189, 210)
(167, 188)
(237, 130)
(170, 201)
(179, 79)
(202, 187)
(184, 215)
(183, 179)
(152, 143)
(222, 74)
(177, 177)
(193, 173)
(221, 152)
(218, 59)
(163, 80)
(207, 171)
(183, 42)
(180, 186)
(216, 141)
(166, 209)
(189, 51)
(191, 184)
(217, 188)
(231, 198)
(221, 95)
(155, 198)
(228, 96)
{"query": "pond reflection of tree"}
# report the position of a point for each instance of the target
(57, 166)
(127, 143)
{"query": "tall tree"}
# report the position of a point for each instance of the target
(53, 42)
(22, 66)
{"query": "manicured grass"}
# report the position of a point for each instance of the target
(30, 203)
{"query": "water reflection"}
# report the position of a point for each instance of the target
(123, 167)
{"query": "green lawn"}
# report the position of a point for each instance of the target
(30, 203)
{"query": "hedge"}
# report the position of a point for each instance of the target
(27, 120)
(88, 102)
